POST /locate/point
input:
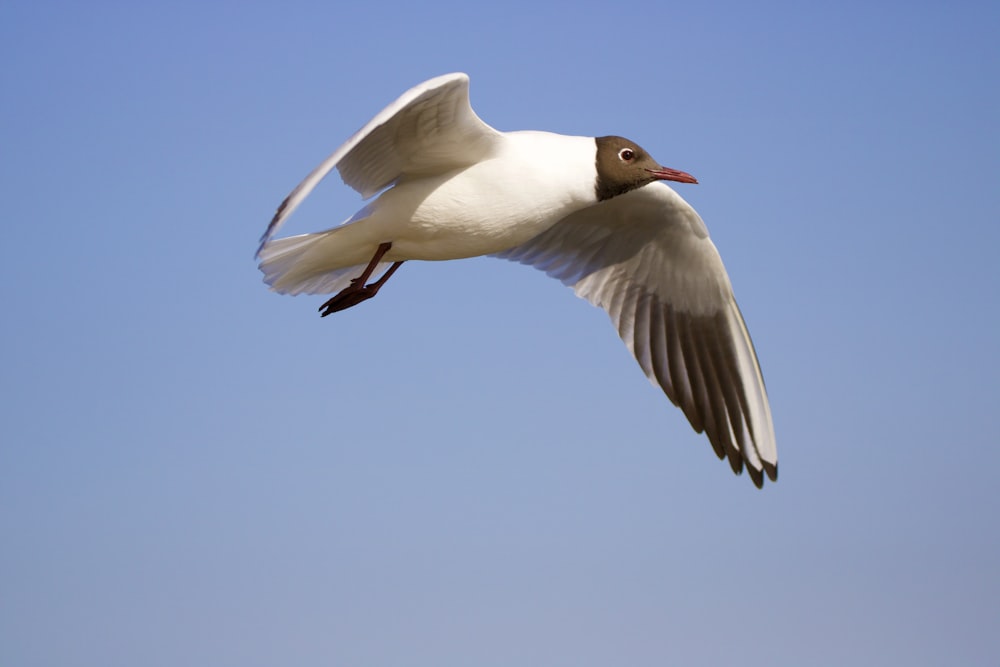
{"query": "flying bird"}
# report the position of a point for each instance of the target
(592, 212)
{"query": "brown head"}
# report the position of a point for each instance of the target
(622, 166)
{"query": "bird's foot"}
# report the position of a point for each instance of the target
(349, 296)
(357, 291)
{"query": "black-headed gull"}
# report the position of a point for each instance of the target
(591, 212)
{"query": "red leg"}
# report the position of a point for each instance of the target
(357, 291)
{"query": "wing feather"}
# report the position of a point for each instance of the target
(429, 129)
(645, 257)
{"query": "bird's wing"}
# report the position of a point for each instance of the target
(430, 129)
(645, 257)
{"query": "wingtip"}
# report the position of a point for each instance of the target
(260, 246)
(273, 225)
(757, 475)
(736, 463)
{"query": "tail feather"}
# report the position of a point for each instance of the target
(310, 264)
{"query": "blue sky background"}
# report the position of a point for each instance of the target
(470, 469)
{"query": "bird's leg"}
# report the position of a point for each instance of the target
(357, 291)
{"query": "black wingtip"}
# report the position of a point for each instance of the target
(266, 236)
(736, 463)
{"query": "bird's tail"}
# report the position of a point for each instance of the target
(320, 263)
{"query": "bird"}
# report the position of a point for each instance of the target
(595, 213)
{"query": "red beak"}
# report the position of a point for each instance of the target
(667, 174)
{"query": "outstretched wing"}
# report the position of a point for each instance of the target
(430, 129)
(645, 257)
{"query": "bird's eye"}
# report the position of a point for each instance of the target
(626, 154)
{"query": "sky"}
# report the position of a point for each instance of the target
(470, 469)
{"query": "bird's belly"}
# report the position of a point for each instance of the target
(455, 237)
(474, 212)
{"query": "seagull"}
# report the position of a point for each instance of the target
(592, 212)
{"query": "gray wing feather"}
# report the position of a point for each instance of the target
(645, 257)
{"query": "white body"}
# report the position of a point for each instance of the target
(491, 206)
(482, 209)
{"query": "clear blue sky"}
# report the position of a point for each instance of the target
(469, 469)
